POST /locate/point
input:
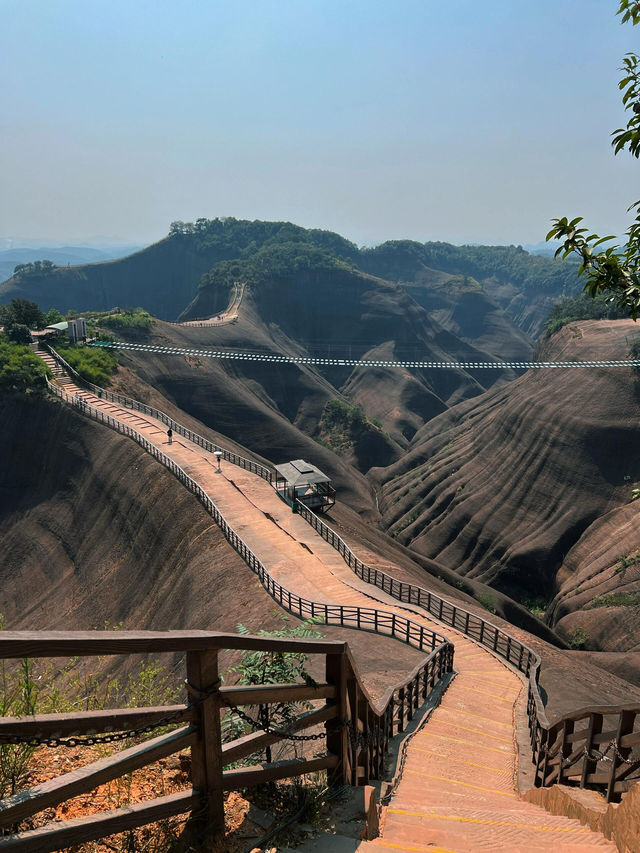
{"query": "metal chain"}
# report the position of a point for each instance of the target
(112, 737)
(267, 728)
(602, 756)
(596, 755)
(361, 740)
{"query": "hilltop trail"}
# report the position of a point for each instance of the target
(229, 314)
(458, 791)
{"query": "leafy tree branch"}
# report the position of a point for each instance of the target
(613, 271)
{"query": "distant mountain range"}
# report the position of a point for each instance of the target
(188, 273)
(61, 256)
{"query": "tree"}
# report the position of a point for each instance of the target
(22, 311)
(18, 333)
(614, 271)
(53, 316)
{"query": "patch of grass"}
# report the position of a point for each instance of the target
(488, 602)
(94, 365)
(341, 424)
(408, 521)
(119, 318)
(616, 599)
(536, 606)
(626, 560)
(578, 637)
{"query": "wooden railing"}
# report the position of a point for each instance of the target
(360, 618)
(561, 754)
(357, 730)
(595, 747)
(136, 406)
(553, 753)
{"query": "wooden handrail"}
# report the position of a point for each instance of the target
(346, 705)
(356, 743)
(135, 405)
(552, 764)
(489, 635)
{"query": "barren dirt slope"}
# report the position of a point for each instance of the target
(502, 487)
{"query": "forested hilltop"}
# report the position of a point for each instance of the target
(168, 278)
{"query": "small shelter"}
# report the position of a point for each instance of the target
(300, 480)
(76, 330)
(57, 329)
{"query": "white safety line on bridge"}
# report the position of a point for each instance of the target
(275, 358)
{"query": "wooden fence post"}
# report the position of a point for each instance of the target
(589, 764)
(337, 734)
(625, 727)
(206, 754)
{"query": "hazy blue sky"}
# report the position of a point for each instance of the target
(453, 120)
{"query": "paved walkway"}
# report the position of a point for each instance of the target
(229, 314)
(458, 791)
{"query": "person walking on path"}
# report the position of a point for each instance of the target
(170, 435)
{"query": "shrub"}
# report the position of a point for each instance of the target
(488, 602)
(17, 698)
(259, 667)
(578, 637)
(94, 365)
(20, 368)
(581, 307)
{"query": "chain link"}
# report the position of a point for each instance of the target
(362, 740)
(113, 737)
(267, 728)
(596, 755)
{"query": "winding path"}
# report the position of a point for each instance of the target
(458, 791)
(229, 314)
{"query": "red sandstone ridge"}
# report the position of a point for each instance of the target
(527, 487)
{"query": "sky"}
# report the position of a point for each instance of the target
(465, 121)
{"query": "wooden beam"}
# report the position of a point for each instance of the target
(63, 835)
(26, 803)
(247, 745)
(245, 777)
(261, 693)
(90, 722)
(19, 644)
(206, 754)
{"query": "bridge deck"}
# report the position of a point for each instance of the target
(458, 790)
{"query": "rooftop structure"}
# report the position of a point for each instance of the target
(302, 481)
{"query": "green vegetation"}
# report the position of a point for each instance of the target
(616, 599)
(36, 269)
(118, 318)
(536, 606)
(626, 560)
(230, 238)
(406, 522)
(17, 698)
(341, 425)
(252, 251)
(274, 261)
(404, 259)
(613, 272)
(53, 316)
(260, 667)
(94, 365)
(580, 307)
(578, 637)
(23, 312)
(488, 602)
(20, 368)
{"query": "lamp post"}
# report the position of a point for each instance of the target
(218, 455)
